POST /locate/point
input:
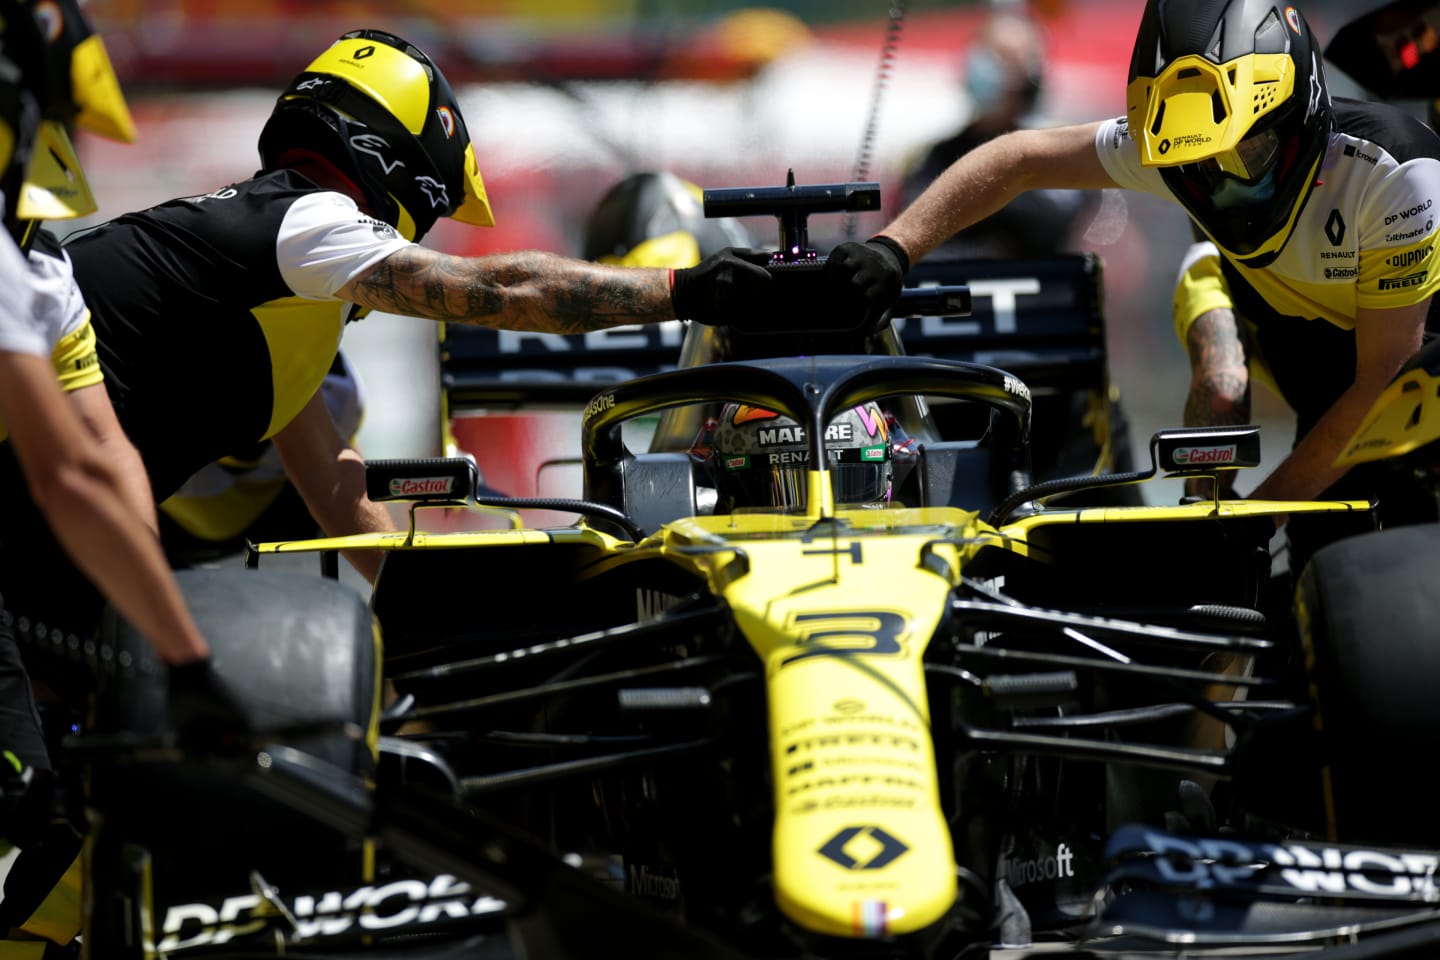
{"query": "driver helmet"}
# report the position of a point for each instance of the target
(1228, 99)
(760, 458)
(55, 75)
(381, 111)
(656, 219)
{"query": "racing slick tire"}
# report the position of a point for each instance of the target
(301, 657)
(1366, 616)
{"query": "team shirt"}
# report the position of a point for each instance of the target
(223, 499)
(1365, 238)
(46, 315)
(216, 315)
(18, 333)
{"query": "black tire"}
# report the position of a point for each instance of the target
(1366, 612)
(301, 654)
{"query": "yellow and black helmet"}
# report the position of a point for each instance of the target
(381, 111)
(656, 219)
(66, 74)
(1228, 98)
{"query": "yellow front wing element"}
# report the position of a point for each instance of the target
(861, 847)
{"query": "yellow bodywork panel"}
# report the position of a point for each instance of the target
(841, 616)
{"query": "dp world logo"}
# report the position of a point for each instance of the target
(863, 848)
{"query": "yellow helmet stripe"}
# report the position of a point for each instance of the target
(387, 75)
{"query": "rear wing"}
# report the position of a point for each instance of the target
(1040, 319)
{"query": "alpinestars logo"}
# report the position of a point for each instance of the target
(435, 190)
(1313, 107)
(372, 144)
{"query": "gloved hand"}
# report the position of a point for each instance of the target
(718, 287)
(204, 711)
(870, 275)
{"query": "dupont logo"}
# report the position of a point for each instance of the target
(1224, 454)
(421, 486)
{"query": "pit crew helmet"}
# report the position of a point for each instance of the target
(761, 459)
(380, 110)
(58, 77)
(656, 219)
(1228, 98)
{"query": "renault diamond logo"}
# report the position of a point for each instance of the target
(863, 848)
(1335, 228)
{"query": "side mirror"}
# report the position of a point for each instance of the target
(1201, 451)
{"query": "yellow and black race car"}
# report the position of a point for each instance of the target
(810, 673)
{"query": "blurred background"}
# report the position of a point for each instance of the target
(564, 97)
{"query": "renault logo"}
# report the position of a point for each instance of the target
(1335, 228)
(364, 52)
(863, 848)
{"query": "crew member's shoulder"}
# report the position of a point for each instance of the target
(1402, 135)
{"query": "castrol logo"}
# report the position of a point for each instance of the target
(421, 486)
(1205, 454)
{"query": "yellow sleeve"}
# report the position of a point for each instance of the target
(76, 362)
(1199, 289)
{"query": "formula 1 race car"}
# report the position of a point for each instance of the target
(829, 675)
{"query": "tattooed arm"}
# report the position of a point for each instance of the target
(515, 291)
(1219, 384)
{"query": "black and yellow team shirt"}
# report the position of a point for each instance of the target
(1367, 237)
(1367, 234)
(44, 314)
(216, 315)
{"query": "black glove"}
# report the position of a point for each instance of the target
(204, 711)
(718, 287)
(869, 275)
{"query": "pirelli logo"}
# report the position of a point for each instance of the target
(1400, 283)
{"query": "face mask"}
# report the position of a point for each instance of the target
(985, 81)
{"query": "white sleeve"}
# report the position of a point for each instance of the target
(59, 305)
(325, 241)
(1121, 159)
(18, 331)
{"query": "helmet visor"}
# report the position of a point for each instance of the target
(1240, 177)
